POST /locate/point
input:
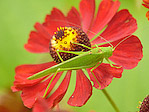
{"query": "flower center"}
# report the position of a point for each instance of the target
(65, 39)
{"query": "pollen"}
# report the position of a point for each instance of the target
(65, 38)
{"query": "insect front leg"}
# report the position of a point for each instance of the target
(72, 52)
(83, 45)
(57, 51)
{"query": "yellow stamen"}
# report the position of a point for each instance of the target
(66, 40)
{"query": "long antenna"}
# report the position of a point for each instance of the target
(121, 42)
(106, 40)
(85, 29)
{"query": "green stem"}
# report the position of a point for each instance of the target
(110, 100)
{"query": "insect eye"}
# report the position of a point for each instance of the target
(64, 39)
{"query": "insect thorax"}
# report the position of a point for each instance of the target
(106, 51)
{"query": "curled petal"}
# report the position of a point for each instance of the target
(128, 53)
(39, 40)
(83, 90)
(74, 18)
(30, 94)
(122, 25)
(57, 96)
(55, 20)
(104, 74)
(87, 10)
(25, 71)
(107, 9)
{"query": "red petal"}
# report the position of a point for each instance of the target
(39, 40)
(25, 71)
(128, 53)
(55, 20)
(30, 94)
(122, 25)
(104, 74)
(83, 90)
(41, 105)
(57, 96)
(107, 9)
(74, 18)
(87, 10)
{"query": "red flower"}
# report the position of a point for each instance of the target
(146, 4)
(120, 26)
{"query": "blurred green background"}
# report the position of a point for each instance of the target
(17, 18)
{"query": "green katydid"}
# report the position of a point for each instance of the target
(92, 58)
(82, 61)
(89, 59)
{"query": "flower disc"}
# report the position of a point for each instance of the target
(65, 39)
